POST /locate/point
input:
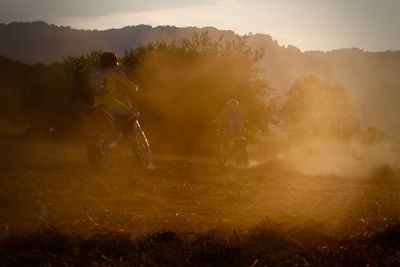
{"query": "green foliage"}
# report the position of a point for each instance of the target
(50, 99)
(12, 88)
(315, 109)
(43, 96)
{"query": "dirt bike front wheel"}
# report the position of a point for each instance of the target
(239, 152)
(141, 148)
(242, 156)
(98, 152)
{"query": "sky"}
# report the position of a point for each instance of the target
(371, 25)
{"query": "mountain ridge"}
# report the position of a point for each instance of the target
(125, 37)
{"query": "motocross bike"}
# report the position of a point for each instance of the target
(105, 133)
(230, 147)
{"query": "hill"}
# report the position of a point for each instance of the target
(49, 43)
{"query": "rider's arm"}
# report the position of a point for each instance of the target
(125, 86)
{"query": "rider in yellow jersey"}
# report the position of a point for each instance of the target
(112, 89)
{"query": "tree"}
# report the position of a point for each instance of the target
(185, 85)
(316, 109)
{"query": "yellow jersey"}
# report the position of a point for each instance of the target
(112, 90)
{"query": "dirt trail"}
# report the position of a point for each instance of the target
(44, 184)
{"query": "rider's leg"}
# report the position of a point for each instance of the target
(101, 120)
(129, 122)
(125, 117)
(120, 114)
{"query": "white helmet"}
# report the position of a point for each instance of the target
(232, 103)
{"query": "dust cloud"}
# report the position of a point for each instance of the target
(324, 133)
(335, 157)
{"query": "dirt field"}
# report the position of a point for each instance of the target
(44, 184)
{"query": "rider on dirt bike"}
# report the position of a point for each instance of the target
(231, 128)
(112, 115)
(232, 118)
(112, 89)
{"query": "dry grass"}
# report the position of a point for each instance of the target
(266, 246)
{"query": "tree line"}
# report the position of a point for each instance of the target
(183, 86)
